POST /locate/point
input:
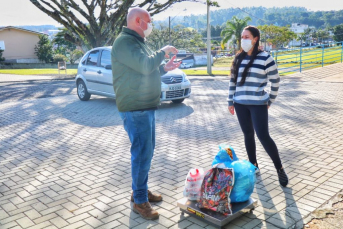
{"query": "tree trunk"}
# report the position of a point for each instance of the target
(88, 30)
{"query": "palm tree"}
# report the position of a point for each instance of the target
(233, 30)
(304, 36)
(301, 37)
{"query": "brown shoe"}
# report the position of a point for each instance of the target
(145, 210)
(151, 197)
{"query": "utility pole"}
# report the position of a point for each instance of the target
(169, 30)
(209, 64)
(170, 20)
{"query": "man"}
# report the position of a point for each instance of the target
(137, 74)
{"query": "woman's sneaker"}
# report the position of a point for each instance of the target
(283, 179)
(257, 170)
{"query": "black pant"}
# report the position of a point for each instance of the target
(255, 117)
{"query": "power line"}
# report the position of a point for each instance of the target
(247, 12)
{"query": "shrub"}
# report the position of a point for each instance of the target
(43, 49)
(59, 57)
(1, 58)
(75, 55)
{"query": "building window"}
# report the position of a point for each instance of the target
(2, 45)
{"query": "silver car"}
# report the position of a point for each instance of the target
(94, 76)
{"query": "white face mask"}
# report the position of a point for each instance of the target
(246, 44)
(148, 29)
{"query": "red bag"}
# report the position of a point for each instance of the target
(216, 189)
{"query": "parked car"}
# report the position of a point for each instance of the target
(94, 76)
(186, 65)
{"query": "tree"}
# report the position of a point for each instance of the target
(180, 37)
(233, 30)
(59, 58)
(277, 35)
(74, 55)
(1, 58)
(309, 32)
(322, 34)
(62, 44)
(96, 23)
(278, 16)
(215, 32)
(43, 49)
(301, 37)
(338, 33)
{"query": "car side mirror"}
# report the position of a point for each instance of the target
(108, 66)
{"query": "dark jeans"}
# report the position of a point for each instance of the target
(140, 126)
(255, 118)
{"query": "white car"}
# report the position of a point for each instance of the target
(94, 76)
(186, 65)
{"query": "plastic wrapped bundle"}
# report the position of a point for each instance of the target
(225, 155)
(245, 180)
(244, 171)
(193, 184)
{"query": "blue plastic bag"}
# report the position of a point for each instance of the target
(244, 171)
(223, 156)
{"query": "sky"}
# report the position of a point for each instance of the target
(23, 12)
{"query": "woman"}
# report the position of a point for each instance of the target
(250, 72)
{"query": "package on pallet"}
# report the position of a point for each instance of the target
(193, 183)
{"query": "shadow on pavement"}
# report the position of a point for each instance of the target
(280, 209)
(42, 149)
(18, 91)
(102, 112)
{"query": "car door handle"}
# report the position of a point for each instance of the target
(99, 72)
(85, 70)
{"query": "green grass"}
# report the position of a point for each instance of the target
(220, 62)
(289, 61)
(223, 62)
(194, 72)
(40, 71)
(313, 55)
(190, 72)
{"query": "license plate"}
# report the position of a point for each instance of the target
(174, 88)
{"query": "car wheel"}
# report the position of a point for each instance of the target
(178, 100)
(82, 91)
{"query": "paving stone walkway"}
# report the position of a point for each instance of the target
(65, 163)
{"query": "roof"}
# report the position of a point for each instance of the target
(26, 30)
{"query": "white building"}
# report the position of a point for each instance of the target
(298, 29)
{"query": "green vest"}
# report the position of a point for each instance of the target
(136, 72)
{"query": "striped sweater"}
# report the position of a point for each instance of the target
(253, 91)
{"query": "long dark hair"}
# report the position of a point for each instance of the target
(241, 54)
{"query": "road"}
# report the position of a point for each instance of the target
(65, 163)
(29, 90)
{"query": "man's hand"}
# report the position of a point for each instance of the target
(171, 65)
(169, 49)
(232, 110)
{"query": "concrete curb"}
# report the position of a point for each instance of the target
(7, 78)
(24, 78)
